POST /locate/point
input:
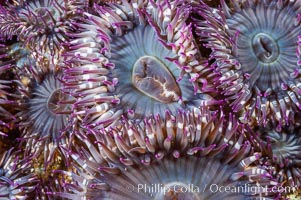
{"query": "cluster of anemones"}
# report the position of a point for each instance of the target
(150, 99)
(190, 150)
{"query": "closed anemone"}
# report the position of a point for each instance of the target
(256, 49)
(41, 24)
(135, 59)
(280, 152)
(188, 155)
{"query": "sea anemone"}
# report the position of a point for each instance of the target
(16, 179)
(179, 157)
(280, 148)
(44, 109)
(40, 24)
(135, 59)
(256, 50)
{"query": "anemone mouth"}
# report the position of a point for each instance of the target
(54, 102)
(265, 48)
(45, 10)
(258, 63)
(146, 78)
(45, 13)
(151, 82)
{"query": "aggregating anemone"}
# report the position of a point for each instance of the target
(136, 59)
(43, 108)
(280, 152)
(256, 50)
